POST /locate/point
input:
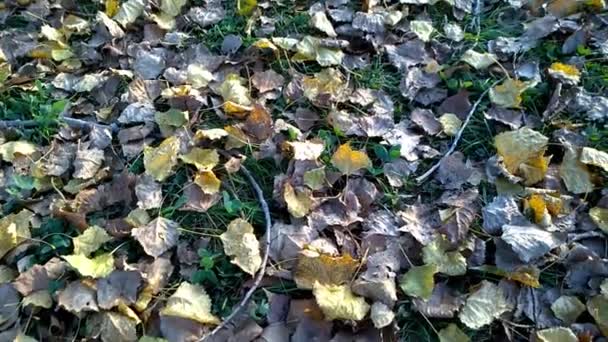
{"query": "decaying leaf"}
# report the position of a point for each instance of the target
(483, 306)
(575, 174)
(78, 297)
(158, 236)
(452, 333)
(14, 229)
(241, 244)
(191, 302)
(348, 161)
(338, 302)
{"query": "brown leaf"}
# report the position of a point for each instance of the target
(119, 287)
(258, 123)
(267, 80)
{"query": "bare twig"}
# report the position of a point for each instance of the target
(71, 122)
(458, 135)
(258, 279)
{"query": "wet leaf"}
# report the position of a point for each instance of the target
(419, 281)
(158, 236)
(191, 302)
(483, 306)
(116, 327)
(338, 302)
(97, 267)
(348, 161)
(241, 244)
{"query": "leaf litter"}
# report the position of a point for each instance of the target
(430, 170)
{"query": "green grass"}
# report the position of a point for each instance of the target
(36, 104)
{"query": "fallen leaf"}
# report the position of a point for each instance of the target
(191, 302)
(97, 267)
(450, 124)
(14, 229)
(41, 299)
(208, 182)
(9, 305)
(558, 334)
(591, 156)
(483, 306)
(129, 12)
(115, 327)
(419, 281)
(567, 309)
(598, 309)
(478, 60)
(529, 242)
(246, 7)
(306, 150)
(575, 174)
(12, 149)
(241, 244)
(120, 287)
(159, 161)
(203, 159)
(90, 240)
(158, 236)
(423, 29)
(77, 297)
(338, 302)
(508, 94)
(315, 267)
(235, 95)
(381, 315)
(348, 161)
(521, 150)
(451, 263)
(452, 333)
(299, 201)
(565, 73)
(600, 217)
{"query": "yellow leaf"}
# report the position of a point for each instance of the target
(519, 147)
(566, 73)
(98, 267)
(450, 124)
(208, 182)
(539, 209)
(236, 137)
(449, 262)
(190, 302)
(203, 159)
(339, 302)
(328, 82)
(210, 134)
(600, 217)
(326, 269)
(419, 281)
(159, 161)
(527, 275)
(348, 160)
(246, 7)
(235, 95)
(575, 174)
(112, 7)
(298, 202)
(12, 149)
(591, 156)
(535, 169)
(90, 240)
(14, 229)
(172, 7)
(508, 94)
(241, 244)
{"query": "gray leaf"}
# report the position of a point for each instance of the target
(529, 242)
(158, 236)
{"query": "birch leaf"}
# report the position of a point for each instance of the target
(159, 161)
(98, 267)
(483, 306)
(557, 334)
(172, 7)
(591, 156)
(478, 60)
(452, 333)
(339, 302)
(129, 12)
(567, 309)
(241, 244)
(298, 201)
(575, 174)
(208, 182)
(450, 263)
(14, 229)
(348, 161)
(12, 149)
(326, 269)
(419, 281)
(191, 302)
(600, 217)
(158, 236)
(203, 159)
(508, 94)
(598, 308)
(90, 240)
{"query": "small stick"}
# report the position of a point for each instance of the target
(258, 279)
(458, 135)
(71, 122)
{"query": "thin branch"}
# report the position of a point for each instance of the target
(458, 135)
(258, 279)
(71, 122)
